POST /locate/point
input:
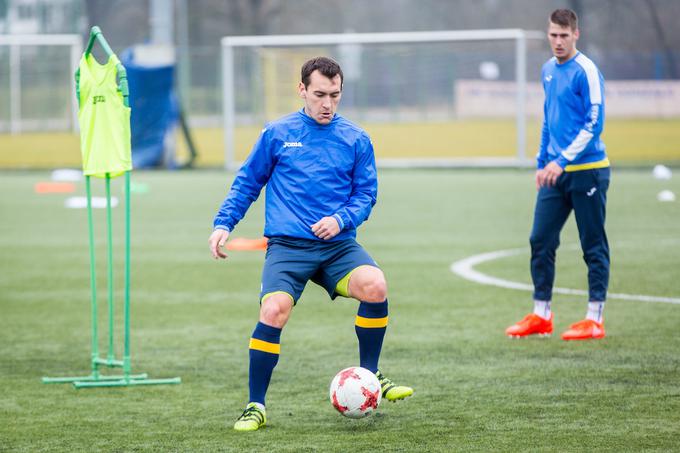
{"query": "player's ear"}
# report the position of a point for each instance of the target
(576, 34)
(302, 92)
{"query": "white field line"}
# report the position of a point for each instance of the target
(466, 269)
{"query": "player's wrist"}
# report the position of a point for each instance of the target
(338, 218)
(561, 161)
(541, 161)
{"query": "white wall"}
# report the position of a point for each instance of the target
(623, 99)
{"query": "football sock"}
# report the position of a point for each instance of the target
(264, 354)
(595, 310)
(542, 308)
(260, 406)
(370, 326)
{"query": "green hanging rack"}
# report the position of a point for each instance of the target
(96, 379)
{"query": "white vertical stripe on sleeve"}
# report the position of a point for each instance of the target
(577, 145)
(593, 78)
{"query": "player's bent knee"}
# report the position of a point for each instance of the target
(378, 289)
(276, 309)
(370, 286)
(376, 292)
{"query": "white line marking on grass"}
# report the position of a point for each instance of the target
(466, 269)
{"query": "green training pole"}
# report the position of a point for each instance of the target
(126, 308)
(93, 279)
(110, 360)
(109, 253)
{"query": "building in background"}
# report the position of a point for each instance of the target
(41, 16)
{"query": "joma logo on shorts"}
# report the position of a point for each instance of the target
(292, 145)
(96, 99)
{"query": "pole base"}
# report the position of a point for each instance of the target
(109, 362)
(124, 382)
(90, 378)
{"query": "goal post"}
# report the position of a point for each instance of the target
(407, 52)
(35, 73)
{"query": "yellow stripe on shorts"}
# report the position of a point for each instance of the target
(277, 292)
(369, 323)
(342, 288)
(265, 346)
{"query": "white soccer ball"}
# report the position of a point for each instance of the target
(355, 392)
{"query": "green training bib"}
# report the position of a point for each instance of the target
(104, 120)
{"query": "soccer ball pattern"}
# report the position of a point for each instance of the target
(355, 392)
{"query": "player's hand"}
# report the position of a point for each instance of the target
(548, 176)
(539, 178)
(326, 228)
(217, 240)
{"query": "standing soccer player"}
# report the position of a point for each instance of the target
(319, 169)
(573, 174)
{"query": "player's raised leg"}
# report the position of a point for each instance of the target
(264, 355)
(367, 284)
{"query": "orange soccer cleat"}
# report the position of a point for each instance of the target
(584, 330)
(532, 324)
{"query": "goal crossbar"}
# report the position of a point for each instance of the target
(381, 38)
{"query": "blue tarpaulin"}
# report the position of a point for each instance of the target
(154, 110)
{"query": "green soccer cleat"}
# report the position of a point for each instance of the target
(391, 391)
(252, 419)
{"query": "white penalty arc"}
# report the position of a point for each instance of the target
(466, 269)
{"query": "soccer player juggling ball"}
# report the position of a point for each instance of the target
(573, 174)
(319, 169)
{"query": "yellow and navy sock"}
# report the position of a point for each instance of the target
(264, 354)
(370, 326)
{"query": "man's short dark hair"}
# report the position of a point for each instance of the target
(326, 66)
(564, 18)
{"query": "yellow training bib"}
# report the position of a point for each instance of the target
(104, 120)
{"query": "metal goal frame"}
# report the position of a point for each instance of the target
(519, 36)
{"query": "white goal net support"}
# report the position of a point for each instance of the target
(37, 86)
(429, 99)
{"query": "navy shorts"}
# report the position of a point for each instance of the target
(291, 262)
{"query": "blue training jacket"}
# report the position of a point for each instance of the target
(311, 171)
(573, 115)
